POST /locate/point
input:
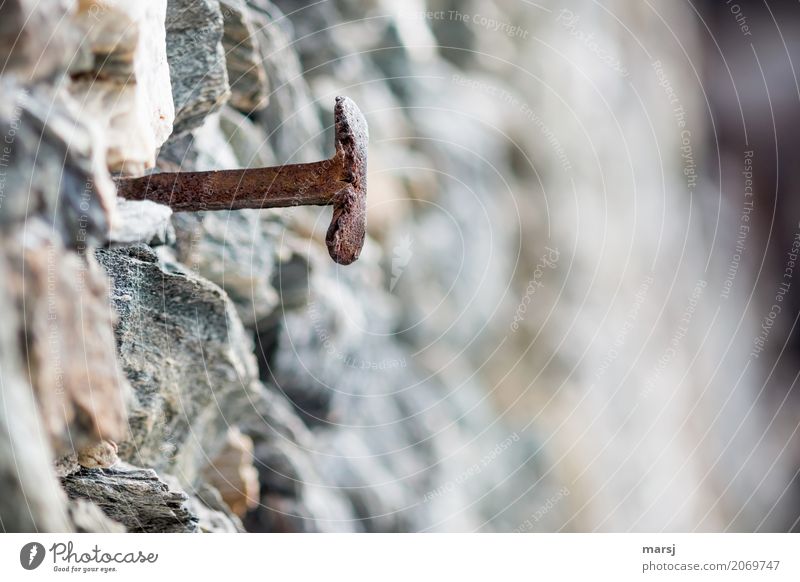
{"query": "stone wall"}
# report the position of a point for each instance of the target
(215, 371)
(241, 378)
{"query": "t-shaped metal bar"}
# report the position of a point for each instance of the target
(340, 181)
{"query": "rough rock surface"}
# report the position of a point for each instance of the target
(196, 60)
(248, 80)
(377, 397)
(69, 346)
(123, 81)
(233, 475)
(232, 251)
(142, 221)
(293, 127)
(31, 498)
(238, 322)
(52, 166)
(36, 38)
(187, 357)
(87, 517)
(245, 139)
(134, 497)
(212, 512)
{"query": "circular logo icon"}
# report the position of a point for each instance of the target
(31, 555)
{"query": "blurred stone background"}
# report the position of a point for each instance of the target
(563, 318)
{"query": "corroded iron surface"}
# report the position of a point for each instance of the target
(340, 181)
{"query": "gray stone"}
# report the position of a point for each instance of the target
(31, 499)
(196, 61)
(231, 250)
(177, 154)
(228, 248)
(249, 85)
(142, 221)
(280, 514)
(321, 46)
(134, 497)
(213, 514)
(290, 117)
(210, 148)
(273, 418)
(318, 509)
(295, 497)
(232, 474)
(66, 327)
(294, 267)
(186, 355)
(52, 168)
(278, 471)
(87, 517)
(66, 464)
(246, 139)
(373, 408)
(37, 39)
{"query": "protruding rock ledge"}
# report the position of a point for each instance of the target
(136, 498)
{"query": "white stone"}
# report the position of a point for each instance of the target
(128, 91)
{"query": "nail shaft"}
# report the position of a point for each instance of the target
(340, 181)
(315, 183)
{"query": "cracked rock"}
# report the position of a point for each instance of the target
(134, 497)
(196, 61)
(187, 356)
